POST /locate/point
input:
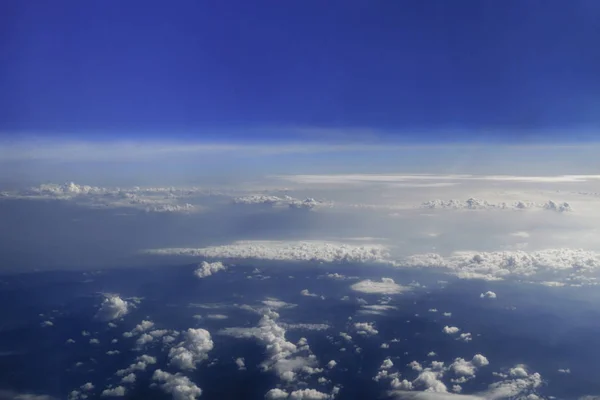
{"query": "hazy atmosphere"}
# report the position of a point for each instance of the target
(299, 200)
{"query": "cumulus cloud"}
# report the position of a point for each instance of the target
(488, 295)
(284, 357)
(331, 364)
(365, 328)
(375, 309)
(572, 266)
(112, 307)
(192, 350)
(386, 286)
(308, 394)
(177, 385)
(141, 364)
(118, 391)
(450, 330)
(311, 251)
(241, 364)
(281, 202)
(478, 204)
(146, 199)
(207, 269)
(305, 292)
(47, 324)
(276, 394)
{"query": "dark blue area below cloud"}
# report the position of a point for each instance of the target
(543, 328)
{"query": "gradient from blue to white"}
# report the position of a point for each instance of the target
(94, 74)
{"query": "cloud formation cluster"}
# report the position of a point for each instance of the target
(575, 267)
(310, 251)
(478, 204)
(207, 269)
(112, 307)
(192, 350)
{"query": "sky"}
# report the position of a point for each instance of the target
(272, 71)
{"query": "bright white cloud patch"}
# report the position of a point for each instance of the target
(192, 350)
(177, 385)
(112, 307)
(478, 204)
(574, 266)
(450, 330)
(118, 391)
(311, 251)
(308, 394)
(207, 269)
(276, 394)
(386, 286)
(488, 295)
(365, 328)
(285, 358)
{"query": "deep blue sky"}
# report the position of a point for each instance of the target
(208, 69)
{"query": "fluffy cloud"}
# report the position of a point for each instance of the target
(112, 307)
(241, 364)
(311, 251)
(450, 330)
(365, 328)
(118, 391)
(141, 364)
(386, 286)
(375, 309)
(572, 266)
(488, 295)
(279, 202)
(305, 292)
(207, 269)
(284, 357)
(308, 394)
(276, 394)
(146, 199)
(192, 350)
(177, 385)
(478, 204)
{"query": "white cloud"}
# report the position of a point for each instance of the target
(308, 394)
(312, 251)
(386, 286)
(192, 350)
(207, 269)
(306, 293)
(113, 352)
(488, 295)
(386, 364)
(365, 328)
(573, 264)
(465, 337)
(94, 341)
(518, 372)
(112, 307)
(276, 394)
(241, 364)
(87, 386)
(478, 204)
(450, 330)
(70, 341)
(303, 326)
(128, 378)
(217, 316)
(178, 385)
(331, 364)
(147, 199)
(564, 371)
(376, 309)
(141, 364)
(346, 336)
(284, 357)
(118, 391)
